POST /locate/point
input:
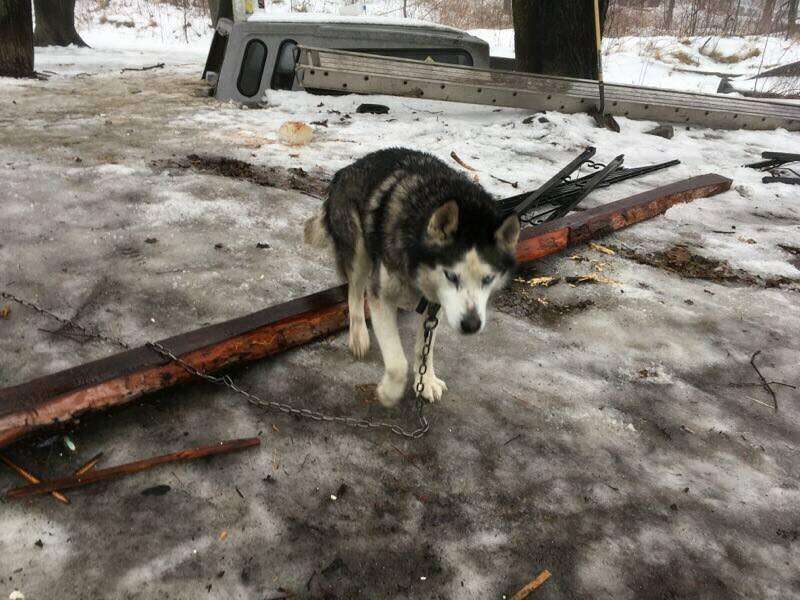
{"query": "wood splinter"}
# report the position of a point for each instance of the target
(92, 476)
(31, 478)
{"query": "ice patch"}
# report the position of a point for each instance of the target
(175, 207)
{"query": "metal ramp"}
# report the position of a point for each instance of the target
(337, 70)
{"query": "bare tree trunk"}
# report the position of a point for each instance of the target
(556, 38)
(791, 27)
(669, 15)
(16, 38)
(695, 11)
(55, 23)
(765, 22)
(736, 15)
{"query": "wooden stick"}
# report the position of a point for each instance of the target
(540, 579)
(457, 158)
(129, 468)
(156, 66)
(89, 465)
(123, 377)
(30, 477)
(764, 382)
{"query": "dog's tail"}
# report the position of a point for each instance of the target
(316, 232)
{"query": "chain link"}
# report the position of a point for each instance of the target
(431, 323)
(253, 399)
(65, 322)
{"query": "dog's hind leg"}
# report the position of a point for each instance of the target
(358, 278)
(383, 313)
(434, 388)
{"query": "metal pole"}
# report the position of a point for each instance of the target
(599, 40)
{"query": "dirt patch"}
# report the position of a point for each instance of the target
(729, 59)
(313, 184)
(685, 58)
(794, 252)
(519, 300)
(683, 262)
(771, 216)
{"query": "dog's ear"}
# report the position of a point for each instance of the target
(507, 235)
(443, 223)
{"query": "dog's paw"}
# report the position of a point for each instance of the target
(359, 340)
(434, 388)
(390, 391)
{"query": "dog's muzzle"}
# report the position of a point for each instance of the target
(471, 322)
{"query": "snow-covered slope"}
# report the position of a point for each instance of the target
(690, 64)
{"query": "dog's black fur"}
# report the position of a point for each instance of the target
(398, 241)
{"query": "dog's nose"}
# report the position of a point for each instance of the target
(471, 322)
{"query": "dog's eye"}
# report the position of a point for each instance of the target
(487, 280)
(452, 277)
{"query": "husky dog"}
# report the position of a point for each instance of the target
(403, 225)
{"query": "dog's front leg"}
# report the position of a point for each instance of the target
(434, 387)
(383, 313)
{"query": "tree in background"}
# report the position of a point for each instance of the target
(669, 14)
(765, 22)
(556, 38)
(55, 23)
(791, 27)
(16, 38)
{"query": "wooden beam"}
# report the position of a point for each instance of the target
(580, 227)
(120, 378)
(123, 377)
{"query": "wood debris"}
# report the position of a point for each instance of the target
(525, 592)
(589, 278)
(514, 184)
(457, 158)
(31, 478)
(764, 382)
(148, 68)
(602, 249)
(545, 281)
(78, 480)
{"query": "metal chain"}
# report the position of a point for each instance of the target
(251, 398)
(65, 322)
(431, 322)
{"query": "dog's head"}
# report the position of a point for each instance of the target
(470, 255)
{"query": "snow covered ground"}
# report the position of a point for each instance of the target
(613, 433)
